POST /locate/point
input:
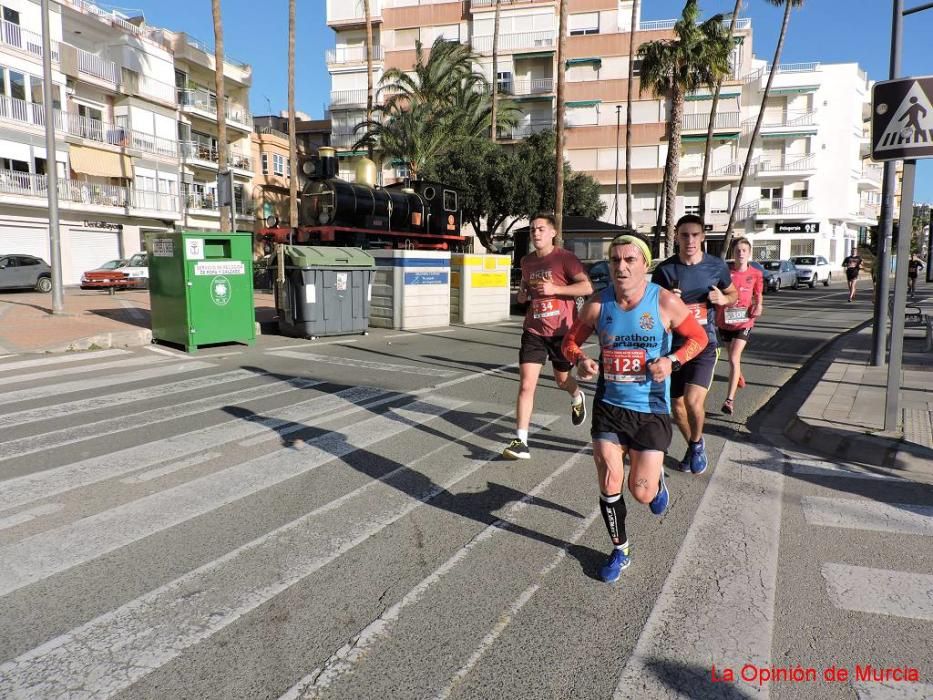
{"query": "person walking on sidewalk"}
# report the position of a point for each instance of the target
(703, 282)
(735, 322)
(634, 319)
(552, 278)
(914, 265)
(852, 264)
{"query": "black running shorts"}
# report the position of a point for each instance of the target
(851, 273)
(538, 349)
(727, 336)
(633, 429)
(698, 371)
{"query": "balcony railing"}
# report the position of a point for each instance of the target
(510, 42)
(532, 86)
(205, 101)
(521, 131)
(97, 67)
(193, 150)
(90, 193)
(209, 50)
(782, 68)
(724, 120)
(349, 98)
(14, 109)
(789, 163)
(116, 135)
(156, 88)
(352, 10)
(208, 201)
(344, 139)
(776, 207)
(728, 170)
(872, 173)
(658, 24)
(351, 54)
(23, 39)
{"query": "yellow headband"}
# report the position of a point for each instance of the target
(635, 241)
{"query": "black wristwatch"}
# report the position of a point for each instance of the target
(675, 363)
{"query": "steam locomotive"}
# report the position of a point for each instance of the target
(419, 214)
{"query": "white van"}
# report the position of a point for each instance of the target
(137, 269)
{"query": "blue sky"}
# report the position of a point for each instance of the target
(829, 31)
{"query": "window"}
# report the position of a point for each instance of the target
(450, 200)
(802, 246)
(766, 249)
(288, 167)
(11, 16)
(584, 23)
(264, 157)
(278, 164)
(582, 115)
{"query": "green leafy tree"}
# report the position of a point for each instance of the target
(697, 56)
(775, 64)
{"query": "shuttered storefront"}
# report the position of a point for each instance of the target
(89, 249)
(27, 239)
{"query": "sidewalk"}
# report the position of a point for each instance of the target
(91, 319)
(843, 416)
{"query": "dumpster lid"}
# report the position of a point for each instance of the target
(327, 256)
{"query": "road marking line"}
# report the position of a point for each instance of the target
(61, 359)
(170, 468)
(367, 364)
(806, 467)
(177, 354)
(160, 625)
(55, 373)
(52, 439)
(27, 515)
(314, 344)
(879, 591)
(69, 408)
(41, 392)
(54, 551)
(344, 659)
(718, 600)
(417, 333)
(853, 514)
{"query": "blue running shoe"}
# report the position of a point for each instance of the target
(659, 503)
(612, 569)
(684, 464)
(698, 460)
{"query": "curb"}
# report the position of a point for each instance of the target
(844, 445)
(111, 339)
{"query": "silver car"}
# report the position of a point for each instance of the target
(779, 274)
(25, 272)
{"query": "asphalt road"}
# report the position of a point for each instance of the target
(332, 518)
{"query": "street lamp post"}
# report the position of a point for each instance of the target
(51, 164)
(618, 125)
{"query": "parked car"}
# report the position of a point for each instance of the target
(107, 276)
(25, 272)
(779, 274)
(137, 270)
(812, 269)
(599, 275)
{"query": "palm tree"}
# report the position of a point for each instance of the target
(561, 109)
(628, 116)
(225, 224)
(292, 144)
(369, 68)
(698, 56)
(712, 120)
(775, 62)
(495, 68)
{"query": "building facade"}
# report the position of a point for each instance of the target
(803, 162)
(124, 122)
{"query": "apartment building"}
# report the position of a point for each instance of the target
(122, 169)
(802, 117)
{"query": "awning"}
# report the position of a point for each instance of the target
(577, 61)
(788, 134)
(793, 90)
(351, 154)
(534, 54)
(716, 137)
(583, 103)
(94, 161)
(709, 97)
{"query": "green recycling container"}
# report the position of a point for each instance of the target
(201, 288)
(327, 291)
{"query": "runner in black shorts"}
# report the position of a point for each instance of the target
(703, 283)
(552, 278)
(852, 265)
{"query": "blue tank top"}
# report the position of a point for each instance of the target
(627, 341)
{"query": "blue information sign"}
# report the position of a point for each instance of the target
(426, 277)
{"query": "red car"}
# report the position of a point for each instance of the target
(107, 276)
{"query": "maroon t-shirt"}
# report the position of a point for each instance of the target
(550, 315)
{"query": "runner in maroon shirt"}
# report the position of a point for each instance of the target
(552, 278)
(735, 321)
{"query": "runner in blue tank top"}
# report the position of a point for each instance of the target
(634, 320)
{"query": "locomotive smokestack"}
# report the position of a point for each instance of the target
(328, 157)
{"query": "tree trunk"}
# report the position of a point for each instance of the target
(292, 137)
(751, 142)
(369, 71)
(712, 121)
(673, 164)
(495, 73)
(628, 116)
(225, 218)
(559, 160)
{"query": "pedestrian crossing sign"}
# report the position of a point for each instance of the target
(902, 119)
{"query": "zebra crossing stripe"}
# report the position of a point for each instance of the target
(111, 426)
(853, 514)
(110, 380)
(53, 551)
(820, 468)
(160, 625)
(879, 591)
(55, 373)
(70, 408)
(61, 359)
(367, 364)
(31, 514)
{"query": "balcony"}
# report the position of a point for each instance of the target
(202, 103)
(115, 135)
(78, 195)
(527, 86)
(521, 131)
(769, 209)
(481, 4)
(789, 124)
(207, 202)
(662, 24)
(700, 122)
(545, 40)
(870, 177)
(15, 36)
(91, 65)
(788, 164)
(729, 171)
(200, 155)
(345, 55)
(349, 99)
(156, 89)
(348, 13)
